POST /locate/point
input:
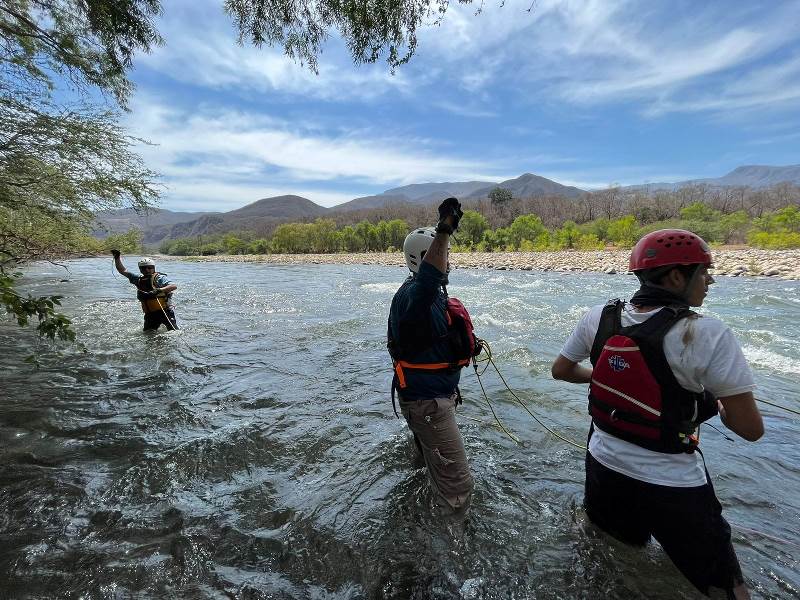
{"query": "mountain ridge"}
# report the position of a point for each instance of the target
(265, 214)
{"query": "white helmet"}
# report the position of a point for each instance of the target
(416, 245)
(146, 262)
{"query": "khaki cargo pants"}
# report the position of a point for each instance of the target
(433, 422)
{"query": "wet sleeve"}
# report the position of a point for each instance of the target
(424, 289)
(134, 279)
(727, 372)
(578, 346)
(162, 281)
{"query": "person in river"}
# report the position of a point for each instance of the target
(430, 339)
(154, 291)
(658, 371)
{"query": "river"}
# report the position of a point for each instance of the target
(254, 453)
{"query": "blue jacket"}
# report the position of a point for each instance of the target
(418, 312)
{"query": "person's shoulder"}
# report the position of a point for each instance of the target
(705, 323)
(595, 311)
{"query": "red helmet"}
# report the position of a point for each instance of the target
(669, 247)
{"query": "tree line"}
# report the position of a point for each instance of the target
(528, 232)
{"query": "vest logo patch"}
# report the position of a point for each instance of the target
(617, 363)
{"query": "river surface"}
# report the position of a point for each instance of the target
(254, 453)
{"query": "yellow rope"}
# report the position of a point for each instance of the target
(490, 361)
(791, 410)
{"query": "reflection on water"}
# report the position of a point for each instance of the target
(254, 453)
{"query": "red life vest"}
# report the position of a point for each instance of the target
(633, 394)
(460, 337)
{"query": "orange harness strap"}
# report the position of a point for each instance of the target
(400, 364)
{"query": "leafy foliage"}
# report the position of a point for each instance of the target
(63, 155)
(370, 29)
(500, 196)
(51, 324)
(779, 229)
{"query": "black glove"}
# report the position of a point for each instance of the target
(150, 294)
(115, 253)
(449, 208)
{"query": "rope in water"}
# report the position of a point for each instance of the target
(791, 410)
(490, 361)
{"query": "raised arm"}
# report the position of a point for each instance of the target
(118, 262)
(449, 216)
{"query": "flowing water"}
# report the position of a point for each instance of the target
(254, 453)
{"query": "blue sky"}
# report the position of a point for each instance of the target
(588, 93)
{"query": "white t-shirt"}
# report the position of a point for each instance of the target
(703, 354)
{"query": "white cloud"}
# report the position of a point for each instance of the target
(220, 150)
(210, 57)
(606, 51)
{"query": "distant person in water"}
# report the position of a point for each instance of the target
(154, 291)
(430, 339)
(658, 371)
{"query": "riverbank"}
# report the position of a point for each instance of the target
(731, 262)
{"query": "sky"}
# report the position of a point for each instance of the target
(587, 93)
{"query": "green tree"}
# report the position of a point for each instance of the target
(526, 227)
(183, 247)
(382, 27)
(127, 243)
(62, 157)
(568, 236)
(623, 231)
(500, 196)
(733, 227)
(472, 226)
(698, 211)
(232, 244)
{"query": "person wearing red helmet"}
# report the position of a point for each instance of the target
(658, 371)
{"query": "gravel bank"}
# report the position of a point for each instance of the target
(744, 262)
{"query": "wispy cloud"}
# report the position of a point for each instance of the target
(245, 149)
(211, 58)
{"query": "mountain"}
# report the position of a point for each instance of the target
(416, 193)
(378, 201)
(278, 207)
(757, 176)
(528, 186)
(261, 216)
(754, 176)
(120, 221)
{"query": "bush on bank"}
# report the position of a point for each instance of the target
(776, 230)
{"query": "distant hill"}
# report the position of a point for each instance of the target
(754, 176)
(278, 207)
(261, 216)
(529, 186)
(120, 221)
(377, 201)
(416, 193)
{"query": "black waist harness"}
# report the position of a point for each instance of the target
(633, 394)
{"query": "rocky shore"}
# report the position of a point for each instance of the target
(733, 262)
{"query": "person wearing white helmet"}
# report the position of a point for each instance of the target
(430, 339)
(154, 291)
